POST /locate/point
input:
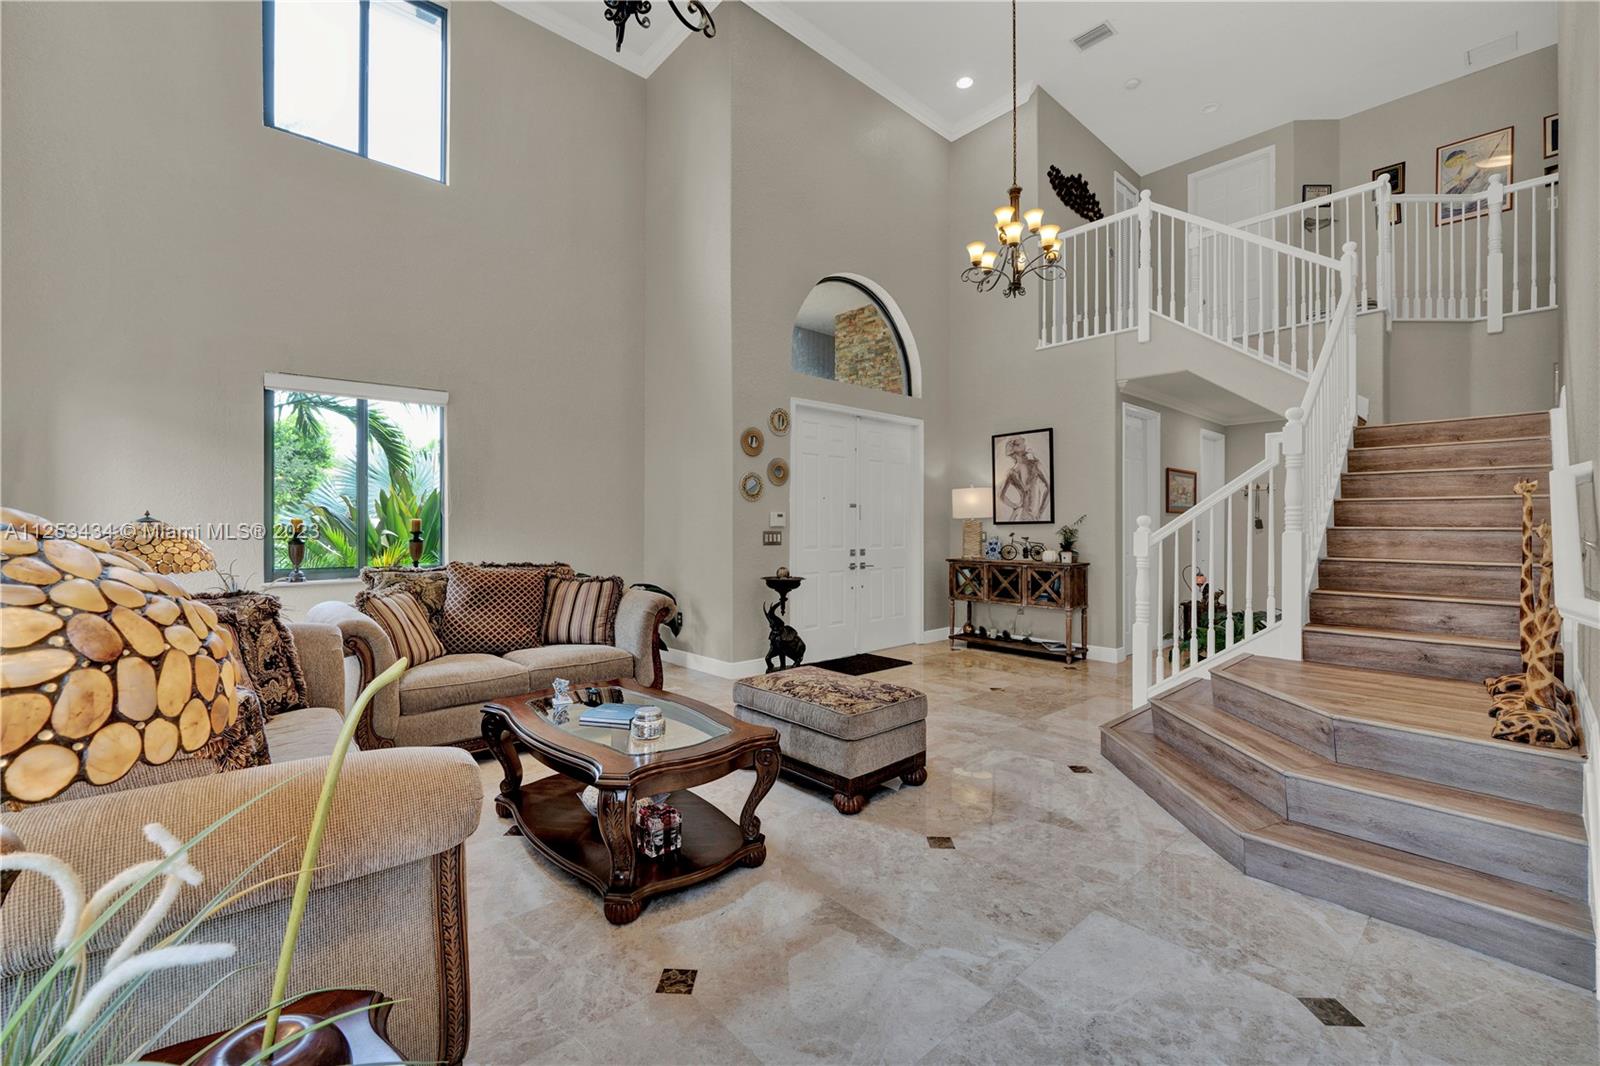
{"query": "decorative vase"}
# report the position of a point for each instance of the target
(297, 548)
(416, 544)
(1050, 556)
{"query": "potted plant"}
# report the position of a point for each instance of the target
(1069, 538)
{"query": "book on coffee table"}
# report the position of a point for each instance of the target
(610, 715)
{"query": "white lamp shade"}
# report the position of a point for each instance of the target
(970, 503)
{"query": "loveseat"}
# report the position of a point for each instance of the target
(387, 911)
(441, 701)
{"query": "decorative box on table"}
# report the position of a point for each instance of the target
(659, 828)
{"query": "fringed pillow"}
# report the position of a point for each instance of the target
(582, 610)
(403, 617)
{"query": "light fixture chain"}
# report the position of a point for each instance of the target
(1013, 92)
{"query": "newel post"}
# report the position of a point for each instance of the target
(1385, 262)
(1495, 268)
(1351, 271)
(1142, 661)
(1292, 584)
(1144, 266)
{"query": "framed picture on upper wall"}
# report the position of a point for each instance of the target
(1182, 487)
(1313, 192)
(1024, 465)
(1464, 167)
(1552, 135)
(1396, 173)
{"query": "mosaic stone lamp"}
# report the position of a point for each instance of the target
(167, 549)
(104, 663)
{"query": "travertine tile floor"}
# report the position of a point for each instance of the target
(1072, 921)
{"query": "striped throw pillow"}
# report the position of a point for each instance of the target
(581, 610)
(403, 617)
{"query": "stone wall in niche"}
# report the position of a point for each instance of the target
(865, 352)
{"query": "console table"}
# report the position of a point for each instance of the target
(1021, 583)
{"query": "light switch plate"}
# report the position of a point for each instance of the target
(771, 537)
(777, 519)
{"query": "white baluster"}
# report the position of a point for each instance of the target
(1385, 260)
(1143, 291)
(1495, 266)
(1550, 209)
(1293, 586)
(1141, 612)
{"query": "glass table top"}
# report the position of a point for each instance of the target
(686, 726)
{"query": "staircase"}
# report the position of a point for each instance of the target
(1365, 774)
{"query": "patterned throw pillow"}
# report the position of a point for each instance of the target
(582, 610)
(403, 617)
(426, 583)
(266, 647)
(493, 609)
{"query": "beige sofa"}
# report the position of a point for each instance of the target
(441, 701)
(388, 911)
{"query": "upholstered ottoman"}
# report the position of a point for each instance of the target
(845, 734)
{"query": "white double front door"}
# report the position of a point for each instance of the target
(855, 529)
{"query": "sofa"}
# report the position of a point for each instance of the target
(387, 911)
(440, 702)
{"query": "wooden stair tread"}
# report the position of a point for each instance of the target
(1437, 469)
(1239, 811)
(1458, 710)
(1499, 498)
(1449, 443)
(1404, 634)
(1462, 418)
(1194, 704)
(1417, 562)
(1486, 890)
(1412, 596)
(1435, 529)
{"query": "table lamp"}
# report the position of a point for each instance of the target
(106, 663)
(166, 549)
(972, 506)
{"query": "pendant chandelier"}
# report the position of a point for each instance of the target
(1028, 244)
(618, 12)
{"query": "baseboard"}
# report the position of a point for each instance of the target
(934, 636)
(705, 664)
(1100, 653)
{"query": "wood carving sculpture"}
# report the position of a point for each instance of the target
(1539, 711)
(1527, 600)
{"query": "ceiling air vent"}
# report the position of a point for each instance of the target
(1091, 37)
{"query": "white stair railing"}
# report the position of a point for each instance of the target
(1326, 224)
(1217, 536)
(1097, 292)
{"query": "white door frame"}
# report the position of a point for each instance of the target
(1152, 451)
(1270, 153)
(915, 594)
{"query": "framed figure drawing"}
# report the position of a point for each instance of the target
(1024, 466)
(1465, 167)
(1182, 486)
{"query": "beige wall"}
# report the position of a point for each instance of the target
(163, 249)
(1456, 369)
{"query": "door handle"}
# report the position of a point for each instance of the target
(868, 566)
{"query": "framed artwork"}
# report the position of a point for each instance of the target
(1181, 488)
(1552, 135)
(1024, 466)
(1396, 173)
(1311, 192)
(1465, 167)
(778, 421)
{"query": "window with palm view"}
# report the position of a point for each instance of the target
(359, 472)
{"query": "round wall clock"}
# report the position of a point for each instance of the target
(750, 486)
(751, 441)
(778, 471)
(778, 421)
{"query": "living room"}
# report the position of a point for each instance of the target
(315, 285)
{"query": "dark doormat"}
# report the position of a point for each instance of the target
(861, 664)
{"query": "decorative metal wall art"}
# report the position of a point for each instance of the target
(1073, 191)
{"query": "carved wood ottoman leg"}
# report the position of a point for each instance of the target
(848, 803)
(915, 776)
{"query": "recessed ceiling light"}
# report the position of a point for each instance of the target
(963, 82)
(1210, 109)
(1132, 83)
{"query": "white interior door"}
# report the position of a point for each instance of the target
(1141, 461)
(1124, 250)
(1227, 276)
(856, 532)
(1212, 476)
(886, 524)
(822, 538)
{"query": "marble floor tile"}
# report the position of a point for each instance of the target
(1072, 921)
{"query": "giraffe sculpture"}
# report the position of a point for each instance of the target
(1539, 711)
(1527, 599)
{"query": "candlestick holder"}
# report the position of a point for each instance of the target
(416, 545)
(297, 550)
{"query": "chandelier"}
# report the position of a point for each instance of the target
(618, 12)
(1028, 244)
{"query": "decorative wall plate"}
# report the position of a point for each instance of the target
(751, 441)
(778, 421)
(750, 486)
(778, 471)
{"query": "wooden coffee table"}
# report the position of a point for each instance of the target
(701, 744)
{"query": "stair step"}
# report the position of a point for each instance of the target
(1454, 615)
(1514, 451)
(1475, 512)
(1518, 841)
(1430, 655)
(1490, 581)
(1427, 544)
(1448, 430)
(1527, 926)
(1425, 728)
(1476, 481)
